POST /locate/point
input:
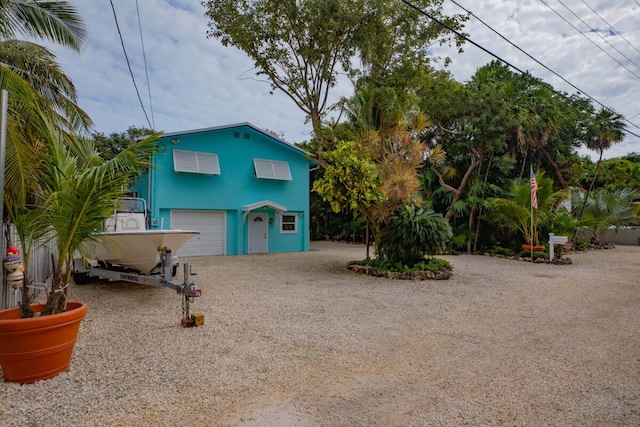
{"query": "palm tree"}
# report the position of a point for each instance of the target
(37, 86)
(607, 128)
(79, 191)
(538, 117)
(604, 209)
(514, 211)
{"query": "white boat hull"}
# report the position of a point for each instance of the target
(136, 250)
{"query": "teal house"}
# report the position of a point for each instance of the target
(244, 189)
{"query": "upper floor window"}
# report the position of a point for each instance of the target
(196, 162)
(272, 169)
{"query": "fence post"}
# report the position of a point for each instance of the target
(4, 302)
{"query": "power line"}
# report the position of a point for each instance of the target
(599, 35)
(583, 35)
(146, 70)
(533, 59)
(115, 17)
(523, 51)
(618, 33)
(459, 34)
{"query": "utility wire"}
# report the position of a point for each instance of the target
(521, 50)
(599, 35)
(146, 70)
(618, 33)
(532, 58)
(584, 35)
(459, 34)
(115, 17)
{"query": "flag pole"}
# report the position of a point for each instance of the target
(531, 230)
(534, 202)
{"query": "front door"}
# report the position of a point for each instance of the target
(258, 229)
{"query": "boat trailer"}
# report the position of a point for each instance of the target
(187, 289)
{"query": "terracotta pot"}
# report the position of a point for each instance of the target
(38, 348)
(533, 248)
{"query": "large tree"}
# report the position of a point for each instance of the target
(375, 173)
(301, 47)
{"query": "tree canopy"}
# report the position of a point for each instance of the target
(301, 47)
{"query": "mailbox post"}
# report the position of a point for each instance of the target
(555, 240)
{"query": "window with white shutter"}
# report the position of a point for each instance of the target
(272, 169)
(195, 162)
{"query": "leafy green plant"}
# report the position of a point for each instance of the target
(413, 233)
(77, 193)
(435, 265)
(502, 251)
(605, 209)
(515, 213)
(535, 255)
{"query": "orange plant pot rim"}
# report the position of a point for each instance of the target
(38, 348)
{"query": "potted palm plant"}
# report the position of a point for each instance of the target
(78, 190)
(41, 95)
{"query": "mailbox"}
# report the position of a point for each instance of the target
(555, 240)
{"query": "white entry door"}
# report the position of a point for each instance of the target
(258, 229)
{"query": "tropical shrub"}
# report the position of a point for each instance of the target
(77, 193)
(516, 214)
(502, 251)
(535, 255)
(413, 233)
(605, 209)
(435, 265)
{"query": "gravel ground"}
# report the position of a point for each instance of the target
(297, 340)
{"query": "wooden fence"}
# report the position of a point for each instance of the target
(40, 269)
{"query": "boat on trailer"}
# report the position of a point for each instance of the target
(127, 250)
(128, 244)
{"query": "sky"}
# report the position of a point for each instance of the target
(187, 81)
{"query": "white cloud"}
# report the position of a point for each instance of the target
(195, 82)
(539, 31)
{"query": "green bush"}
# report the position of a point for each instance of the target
(413, 233)
(502, 251)
(435, 265)
(536, 255)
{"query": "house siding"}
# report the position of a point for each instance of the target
(235, 187)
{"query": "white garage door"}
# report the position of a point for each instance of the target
(210, 224)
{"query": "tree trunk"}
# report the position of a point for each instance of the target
(25, 303)
(57, 298)
(561, 180)
(593, 181)
(475, 161)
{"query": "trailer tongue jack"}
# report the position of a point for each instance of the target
(187, 289)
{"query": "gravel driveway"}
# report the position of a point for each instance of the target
(297, 340)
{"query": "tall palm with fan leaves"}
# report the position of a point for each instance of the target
(607, 128)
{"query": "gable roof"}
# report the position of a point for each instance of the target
(238, 125)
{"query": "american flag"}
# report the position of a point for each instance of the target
(534, 190)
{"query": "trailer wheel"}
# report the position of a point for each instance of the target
(81, 278)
